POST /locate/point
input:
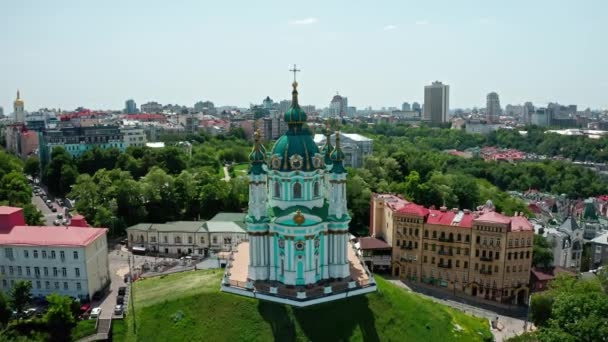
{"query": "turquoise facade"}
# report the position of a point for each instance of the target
(297, 220)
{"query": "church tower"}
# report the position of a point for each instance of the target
(19, 109)
(297, 220)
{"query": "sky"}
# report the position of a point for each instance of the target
(98, 54)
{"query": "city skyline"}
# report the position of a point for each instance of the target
(238, 54)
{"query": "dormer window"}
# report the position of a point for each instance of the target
(297, 190)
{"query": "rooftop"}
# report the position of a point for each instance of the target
(51, 236)
(4, 210)
(601, 240)
(369, 242)
(223, 227)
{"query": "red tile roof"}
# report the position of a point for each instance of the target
(543, 275)
(520, 223)
(493, 217)
(51, 236)
(446, 218)
(413, 209)
(369, 242)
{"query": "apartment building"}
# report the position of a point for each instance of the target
(479, 253)
(70, 261)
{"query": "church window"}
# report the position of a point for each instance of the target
(317, 242)
(297, 190)
(281, 243)
(316, 189)
(300, 246)
(282, 266)
(277, 189)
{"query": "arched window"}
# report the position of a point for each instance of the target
(297, 190)
(178, 239)
(141, 238)
(277, 189)
(165, 239)
(316, 189)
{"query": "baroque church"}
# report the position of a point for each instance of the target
(297, 222)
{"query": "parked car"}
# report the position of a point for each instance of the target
(122, 290)
(118, 310)
(120, 300)
(96, 312)
(53, 209)
(48, 202)
(59, 216)
(85, 307)
(56, 222)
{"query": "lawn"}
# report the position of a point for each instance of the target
(83, 328)
(241, 169)
(189, 307)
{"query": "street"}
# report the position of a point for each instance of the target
(49, 216)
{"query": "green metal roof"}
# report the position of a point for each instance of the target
(223, 227)
(296, 141)
(238, 218)
(140, 226)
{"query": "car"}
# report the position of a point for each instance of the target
(96, 312)
(53, 209)
(48, 202)
(59, 216)
(85, 307)
(65, 222)
(56, 222)
(120, 300)
(118, 310)
(29, 312)
(122, 290)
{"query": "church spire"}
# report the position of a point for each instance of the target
(337, 156)
(327, 148)
(257, 157)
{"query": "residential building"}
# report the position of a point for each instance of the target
(493, 110)
(298, 250)
(540, 278)
(71, 261)
(528, 112)
(436, 102)
(540, 117)
(221, 233)
(205, 107)
(338, 106)
(77, 140)
(599, 251)
(567, 244)
(130, 107)
(479, 253)
(267, 103)
(376, 253)
(133, 136)
(20, 140)
(151, 107)
(405, 107)
(416, 107)
(19, 109)
(355, 147)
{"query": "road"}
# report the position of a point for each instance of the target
(49, 216)
(509, 326)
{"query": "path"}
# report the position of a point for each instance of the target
(510, 326)
(226, 174)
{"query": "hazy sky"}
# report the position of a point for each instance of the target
(97, 54)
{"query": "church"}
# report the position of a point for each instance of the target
(298, 250)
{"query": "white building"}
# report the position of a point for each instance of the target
(70, 261)
(436, 102)
(133, 136)
(355, 147)
(221, 233)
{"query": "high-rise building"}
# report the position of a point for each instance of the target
(416, 107)
(436, 102)
(493, 109)
(338, 106)
(19, 108)
(130, 106)
(152, 107)
(405, 107)
(528, 111)
(1, 112)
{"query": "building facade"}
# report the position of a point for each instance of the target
(436, 102)
(187, 237)
(482, 254)
(70, 261)
(493, 110)
(151, 107)
(354, 146)
(130, 106)
(77, 140)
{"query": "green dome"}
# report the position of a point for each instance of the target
(296, 142)
(295, 115)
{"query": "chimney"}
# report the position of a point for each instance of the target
(455, 210)
(443, 208)
(467, 211)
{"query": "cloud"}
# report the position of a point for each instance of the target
(389, 27)
(422, 22)
(305, 21)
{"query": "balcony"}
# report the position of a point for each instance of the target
(444, 265)
(485, 258)
(445, 252)
(446, 239)
(486, 272)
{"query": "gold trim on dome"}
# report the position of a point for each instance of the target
(275, 162)
(298, 218)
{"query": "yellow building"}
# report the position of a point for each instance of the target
(481, 253)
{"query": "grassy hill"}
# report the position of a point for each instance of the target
(189, 307)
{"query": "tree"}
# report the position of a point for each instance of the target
(540, 309)
(21, 295)
(15, 189)
(542, 255)
(61, 172)
(59, 317)
(5, 312)
(33, 216)
(32, 166)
